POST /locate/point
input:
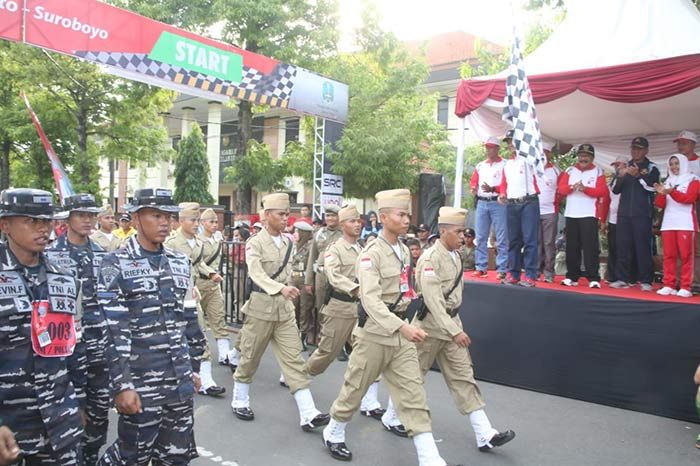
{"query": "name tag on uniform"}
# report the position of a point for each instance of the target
(180, 269)
(11, 285)
(62, 259)
(62, 293)
(136, 268)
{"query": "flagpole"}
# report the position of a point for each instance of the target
(459, 165)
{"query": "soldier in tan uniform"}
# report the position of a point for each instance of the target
(104, 236)
(315, 279)
(185, 240)
(384, 343)
(300, 258)
(270, 317)
(439, 276)
(339, 314)
(212, 299)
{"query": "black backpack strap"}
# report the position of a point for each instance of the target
(215, 256)
(284, 262)
(458, 278)
(199, 258)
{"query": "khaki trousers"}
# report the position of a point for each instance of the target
(304, 306)
(283, 336)
(456, 367)
(335, 331)
(213, 306)
(399, 364)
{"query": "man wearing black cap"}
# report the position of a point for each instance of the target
(155, 344)
(40, 391)
(77, 253)
(635, 184)
(423, 232)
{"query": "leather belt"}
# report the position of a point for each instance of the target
(481, 198)
(343, 297)
(524, 199)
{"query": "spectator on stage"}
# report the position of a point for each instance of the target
(635, 182)
(583, 185)
(611, 229)
(685, 142)
(468, 250)
(484, 185)
(520, 194)
(372, 225)
(677, 196)
(549, 215)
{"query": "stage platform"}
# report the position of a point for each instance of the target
(622, 348)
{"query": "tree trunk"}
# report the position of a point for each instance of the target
(5, 164)
(110, 164)
(83, 162)
(245, 132)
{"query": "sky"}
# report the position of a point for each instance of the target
(420, 19)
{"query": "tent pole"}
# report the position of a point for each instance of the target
(459, 165)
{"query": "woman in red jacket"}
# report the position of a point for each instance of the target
(677, 196)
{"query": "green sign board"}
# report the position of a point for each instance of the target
(192, 55)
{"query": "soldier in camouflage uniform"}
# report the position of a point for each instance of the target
(315, 279)
(155, 343)
(304, 304)
(185, 240)
(75, 252)
(40, 391)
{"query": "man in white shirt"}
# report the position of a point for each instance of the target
(549, 214)
(685, 143)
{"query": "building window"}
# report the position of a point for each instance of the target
(291, 131)
(442, 115)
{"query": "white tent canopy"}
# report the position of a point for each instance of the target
(600, 33)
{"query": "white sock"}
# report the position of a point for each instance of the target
(234, 356)
(370, 401)
(205, 375)
(390, 418)
(428, 454)
(307, 408)
(240, 395)
(224, 348)
(282, 379)
(335, 431)
(482, 427)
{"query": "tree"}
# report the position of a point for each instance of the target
(257, 169)
(391, 130)
(192, 170)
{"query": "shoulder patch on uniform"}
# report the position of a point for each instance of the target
(365, 262)
(429, 271)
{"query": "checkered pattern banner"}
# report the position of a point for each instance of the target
(520, 111)
(265, 89)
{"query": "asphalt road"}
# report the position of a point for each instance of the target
(551, 431)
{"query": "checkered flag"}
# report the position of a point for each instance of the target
(520, 111)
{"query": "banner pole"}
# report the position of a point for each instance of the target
(459, 165)
(24, 21)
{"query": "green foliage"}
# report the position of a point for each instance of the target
(192, 170)
(257, 169)
(391, 131)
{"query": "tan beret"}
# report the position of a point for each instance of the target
(276, 201)
(348, 212)
(106, 212)
(394, 199)
(209, 214)
(452, 216)
(189, 209)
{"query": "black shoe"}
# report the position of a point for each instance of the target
(339, 451)
(399, 430)
(342, 356)
(318, 421)
(232, 366)
(214, 390)
(224, 362)
(283, 384)
(244, 414)
(498, 440)
(303, 342)
(375, 413)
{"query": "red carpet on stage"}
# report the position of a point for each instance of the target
(605, 290)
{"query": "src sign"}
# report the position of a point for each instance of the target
(332, 184)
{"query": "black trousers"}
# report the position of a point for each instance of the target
(582, 236)
(634, 244)
(612, 252)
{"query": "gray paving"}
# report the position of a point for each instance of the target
(551, 431)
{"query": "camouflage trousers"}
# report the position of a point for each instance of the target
(97, 396)
(160, 435)
(48, 457)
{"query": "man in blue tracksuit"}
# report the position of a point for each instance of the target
(634, 182)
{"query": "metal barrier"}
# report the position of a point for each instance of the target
(234, 271)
